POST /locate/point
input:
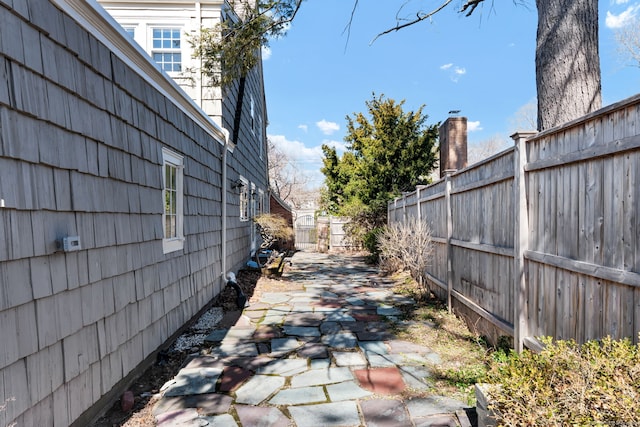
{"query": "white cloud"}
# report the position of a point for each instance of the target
(327, 127)
(296, 150)
(474, 126)
(307, 160)
(266, 53)
(339, 146)
(620, 1)
(454, 71)
(618, 21)
(303, 127)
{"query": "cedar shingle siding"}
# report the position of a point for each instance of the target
(81, 134)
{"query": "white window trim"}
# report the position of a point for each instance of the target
(261, 209)
(173, 244)
(244, 194)
(260, 136)
(180, 50)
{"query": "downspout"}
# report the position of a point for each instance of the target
(223, 190)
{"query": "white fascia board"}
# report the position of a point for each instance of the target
(93, 18)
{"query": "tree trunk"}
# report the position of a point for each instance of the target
(567, 61)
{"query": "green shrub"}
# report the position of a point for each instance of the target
(594, 384)
(370, 243)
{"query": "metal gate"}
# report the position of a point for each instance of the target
(306, 235)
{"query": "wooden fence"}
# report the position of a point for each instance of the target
(331, 234)
(543, 238)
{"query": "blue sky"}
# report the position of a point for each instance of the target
(482, 65)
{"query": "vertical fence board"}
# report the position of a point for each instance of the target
(583, 225)
(551, 201)
(636, 310)
(573, 214)
(630, 214)
(593, 308)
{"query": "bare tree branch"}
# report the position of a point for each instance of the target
(470, 4)
(420, 16)
(347, 28)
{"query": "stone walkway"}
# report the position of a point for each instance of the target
(321, 356)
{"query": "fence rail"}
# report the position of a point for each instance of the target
(542, 238)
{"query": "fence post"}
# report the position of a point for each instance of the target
(418, 214)
(447, 201)
(521, 239)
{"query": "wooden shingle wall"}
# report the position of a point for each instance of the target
(81, 135)
(545, 236)
(248, 160)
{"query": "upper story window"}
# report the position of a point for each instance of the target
(253, 115)
(260, 138)
(172, 195)
(166, 48)
(131, 31)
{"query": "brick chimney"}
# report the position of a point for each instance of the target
(453, 145)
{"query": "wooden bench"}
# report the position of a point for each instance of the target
(274, 265)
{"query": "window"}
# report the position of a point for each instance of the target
(253, 115)
(166, 48)
(172, 195)
(254, 201)
(260, 202)
(260, 139)
(131, 31)
(244, 200)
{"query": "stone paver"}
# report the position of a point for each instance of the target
(301, 331)
(179, 417)
(340, 340)
(233, 377)
(313, 351)
(441, 420)
(343, 414)
(321, 376)
(348, 358)
(236, 349)
(433, 405)
(193, 381)
(373, 347)
(256, 416)
(258, 389)
(224, 420)
(299, 396)
(208, 404)
(385, 413)
(381, 380)
(285, 367)
(347, 390)
(284, 344)
(320, 355)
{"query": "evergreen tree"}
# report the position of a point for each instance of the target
(388, 151)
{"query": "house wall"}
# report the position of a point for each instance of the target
(189, 17)
(249, 160)
(83, 120)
